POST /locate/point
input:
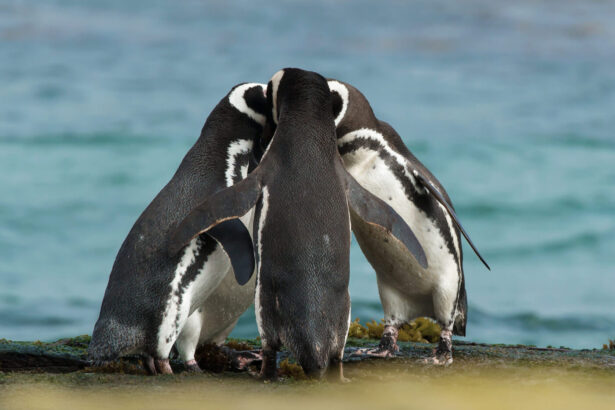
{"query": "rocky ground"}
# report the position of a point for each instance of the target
(57, 374)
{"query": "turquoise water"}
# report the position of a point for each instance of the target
(511, 105)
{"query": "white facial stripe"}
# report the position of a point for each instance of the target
(275, 81)
(261, 224)
(343, 92)
(237, 100)
(236, 148)
(169, 329)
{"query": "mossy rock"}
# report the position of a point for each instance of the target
(421, 330)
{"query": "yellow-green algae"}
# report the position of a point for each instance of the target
(291, 369)
(421, 330)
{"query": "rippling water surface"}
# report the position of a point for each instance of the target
(511, 105)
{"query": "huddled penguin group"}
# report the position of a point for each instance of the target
(261, 210)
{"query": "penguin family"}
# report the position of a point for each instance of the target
(261, 210)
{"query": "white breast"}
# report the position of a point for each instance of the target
(397, 265)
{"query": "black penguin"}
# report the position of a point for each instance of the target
(150, 296)
(303, 199)
(375, 155)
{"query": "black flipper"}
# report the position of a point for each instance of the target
(434, 191)
(234, 237)
(374, 211)
(229, 203)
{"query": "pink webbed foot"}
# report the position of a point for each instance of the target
(443, 354)
(387, 347)
(163, 366)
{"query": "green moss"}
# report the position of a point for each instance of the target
(291, 370)
(357, 330)
(237, 344)
(422, 330)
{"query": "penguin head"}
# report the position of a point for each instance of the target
(293, 87)
(250, 99)
(351, 109)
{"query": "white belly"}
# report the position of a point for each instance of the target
(406, 289)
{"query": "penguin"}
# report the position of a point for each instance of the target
(303, 199)
(153, 301)
(375, 155)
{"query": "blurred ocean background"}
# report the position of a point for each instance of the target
(510, 104)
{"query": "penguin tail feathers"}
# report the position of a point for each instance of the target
(312, 355)
(111, 340)
(459, 326)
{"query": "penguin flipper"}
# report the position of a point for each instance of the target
(375, 211)
(226, 204)
(236, 241)
(434, 191)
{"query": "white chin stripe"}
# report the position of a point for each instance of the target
(343, 92)
(236, 99)
(275, 83)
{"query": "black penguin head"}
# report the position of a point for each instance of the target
(293, 87)
(256, 99)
